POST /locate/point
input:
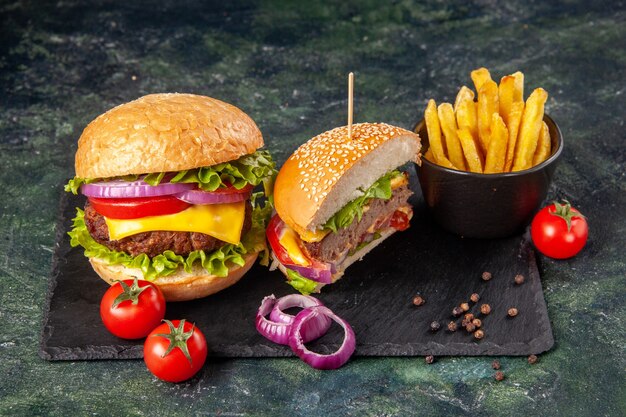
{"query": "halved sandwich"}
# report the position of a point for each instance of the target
(338, 197)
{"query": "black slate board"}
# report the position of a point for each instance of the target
(375, 297)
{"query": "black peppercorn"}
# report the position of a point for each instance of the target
(464, 306)
(486, 276)
(477, 322)
(495, 365)
(485, 309)
(512, 312)
(418, 300)
(429, 359)
(470, 327)
(474, 297)
(469, 317)
(532, 359)
(479, 334)
(434, 326)
(452, 326)
(519, 279)
(457, 311)
(499, 376)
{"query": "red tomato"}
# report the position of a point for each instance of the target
(559, 231)
(175, 351)
(134, 208)
(400, 221)
(131, 309)
(273, 233)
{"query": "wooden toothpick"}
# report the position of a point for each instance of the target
(350, 103)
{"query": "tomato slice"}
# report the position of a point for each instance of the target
(273, 233)
(400, 221)
(134, 208)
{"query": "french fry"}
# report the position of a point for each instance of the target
(529, 130)
(448, 126)
(518, 92)
(466, 117)
(434, 132)
(480, 76)
(445, 162)
(515, 117)
(487, 106)
(543, 145)
(506, 91)
(472, 156)
(464, 94)
(497, 145)
(429, 155)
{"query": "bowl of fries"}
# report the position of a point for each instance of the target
(488, 160)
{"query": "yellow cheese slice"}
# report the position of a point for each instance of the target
(222, 221)
(289, 241)
(316, 236)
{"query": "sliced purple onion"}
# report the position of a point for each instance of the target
(132, 189)
(207, 197)
(314, 329)
(279, 332)
(321, 274)
(316, 360)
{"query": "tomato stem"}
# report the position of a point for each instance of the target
(130, 293)
(177, 338)
(565, 212)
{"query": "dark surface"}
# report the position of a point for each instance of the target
(487, 205)
(375, 297)
(62, 63)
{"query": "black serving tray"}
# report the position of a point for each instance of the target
(375, 297)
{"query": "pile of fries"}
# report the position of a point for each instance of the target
(496, 133)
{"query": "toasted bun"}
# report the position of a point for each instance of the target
(181, 285)
(165, 132)
(326, 173)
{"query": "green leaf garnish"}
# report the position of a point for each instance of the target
(249, 169)
(380, 189)
(304, 285)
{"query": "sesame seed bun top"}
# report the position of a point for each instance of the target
(326, 173)
(165, 132)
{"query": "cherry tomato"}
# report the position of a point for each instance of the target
(559, 231)
(130, 309)
(175, 351)
(134, 208)
(400, 221)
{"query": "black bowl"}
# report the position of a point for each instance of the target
(486, 205)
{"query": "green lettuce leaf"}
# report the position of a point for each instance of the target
(304, 285)
(216, 262)
(249, 169)
(344, 217)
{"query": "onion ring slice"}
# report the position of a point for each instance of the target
(316, 360)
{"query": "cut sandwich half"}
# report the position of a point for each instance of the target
(336, 198)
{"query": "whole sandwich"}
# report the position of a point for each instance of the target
(336, 198)
(168, 180)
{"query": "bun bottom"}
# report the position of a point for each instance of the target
(181, 285)
(357, 256)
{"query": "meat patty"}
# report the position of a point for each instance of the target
(157, 242)
(376, 216)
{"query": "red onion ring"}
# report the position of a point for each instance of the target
(314, 329)
(128, 189)
(278, 332)
(316, 360)
(208, 197)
